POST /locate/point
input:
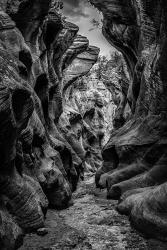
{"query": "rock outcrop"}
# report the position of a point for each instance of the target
(116, 78)
(80, 66)
(88, 111)
(135, 157)
(47, 139)
(38, 165)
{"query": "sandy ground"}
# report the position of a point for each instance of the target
(91, 223)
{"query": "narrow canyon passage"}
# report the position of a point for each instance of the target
(91, 223)
(83, 124)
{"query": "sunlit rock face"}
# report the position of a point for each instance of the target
(116, 79)
(79, 45)
(135, 157)
(38, 165)
(82, 57)
(89, 111)
(80, 66)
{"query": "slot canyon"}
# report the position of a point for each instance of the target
(83, 137)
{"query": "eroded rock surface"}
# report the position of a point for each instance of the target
(135, 156)
(47, 140)
(39, 166)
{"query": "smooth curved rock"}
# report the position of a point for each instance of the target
(39, 167)
(138, 30)
(143, 214)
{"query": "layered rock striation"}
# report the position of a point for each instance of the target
(38, 165)
(45, 143)
(135, 157)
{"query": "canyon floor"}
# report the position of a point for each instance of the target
(91, 223)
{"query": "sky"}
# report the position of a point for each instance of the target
(81, 13)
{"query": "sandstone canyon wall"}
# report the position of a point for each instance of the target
(40, 56)
(135, 158)
(47, 140)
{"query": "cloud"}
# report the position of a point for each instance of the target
(75, 8)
